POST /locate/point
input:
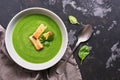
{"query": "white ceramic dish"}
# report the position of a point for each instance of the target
(16, 57)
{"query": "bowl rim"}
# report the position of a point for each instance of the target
(20, 61)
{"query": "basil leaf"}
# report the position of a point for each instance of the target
(73, 20)
(83, 52)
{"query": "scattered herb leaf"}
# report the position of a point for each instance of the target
(73, 20)
(46, 43)
(83, 52)
(50, 36)
(42, 39)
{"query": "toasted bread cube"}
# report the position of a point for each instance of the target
(46, 35)
(39, 31)
(36, 43)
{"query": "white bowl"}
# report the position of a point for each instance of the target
(17, 58)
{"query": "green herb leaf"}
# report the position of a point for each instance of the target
(83, 52)
(73, 20)
(46, 43)
(51, 37)
(42, 39)
(48, 36)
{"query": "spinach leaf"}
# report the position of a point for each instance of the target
(42, 38)
(50, 37)
(83, 52)
(46, 43)
(73, 20)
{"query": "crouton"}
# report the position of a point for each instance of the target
(36, 43)
(48, 34)
(39, 31)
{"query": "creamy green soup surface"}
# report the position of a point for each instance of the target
(24, 28)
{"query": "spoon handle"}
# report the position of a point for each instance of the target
(61, 68)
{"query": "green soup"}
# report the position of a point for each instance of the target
(24, 28)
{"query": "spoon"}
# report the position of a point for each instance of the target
(84, 36)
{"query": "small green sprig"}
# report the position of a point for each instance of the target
(73, 20)
(83, 52)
